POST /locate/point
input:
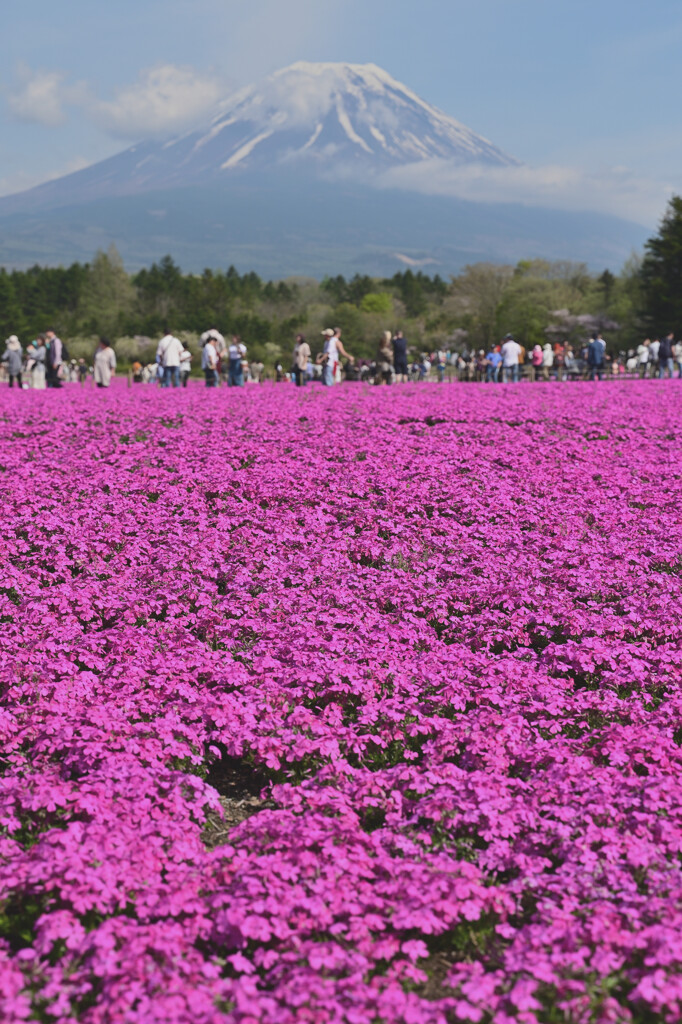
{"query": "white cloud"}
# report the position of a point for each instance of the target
(165, 99)
(39, 97)
(615, 190)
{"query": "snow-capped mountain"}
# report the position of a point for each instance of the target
(332, 112)
(293, 176)
(308, 118)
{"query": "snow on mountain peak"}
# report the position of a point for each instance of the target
(339, 111)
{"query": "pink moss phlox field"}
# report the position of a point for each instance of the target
(439, 627)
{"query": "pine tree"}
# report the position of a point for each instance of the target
(108, 295)
(11, 316)
(661, 273)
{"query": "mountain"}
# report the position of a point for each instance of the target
(308, 118)
(286, 178)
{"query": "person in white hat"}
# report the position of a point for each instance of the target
(14, 357)
(333, 348)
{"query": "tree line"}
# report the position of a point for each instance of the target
(536, 300)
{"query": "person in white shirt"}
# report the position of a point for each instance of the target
(300, 360)
(510, 352)
(547, 361)
(643, 357)
(333, 346)
(168, 357)
(209, 362)
(105, 363)
(217, 339)
(220, 346)
(185, 366)
(235, 354)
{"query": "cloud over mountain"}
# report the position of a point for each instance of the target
(165, 99)
(39, 97)
(613, 190)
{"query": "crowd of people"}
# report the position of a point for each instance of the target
(46, 364)
(511, 361)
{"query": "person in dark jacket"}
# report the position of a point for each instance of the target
(666, 356)
(400, 357)
(596, 352)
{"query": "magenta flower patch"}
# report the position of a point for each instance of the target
(355, 706)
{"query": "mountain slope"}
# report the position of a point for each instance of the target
(285, 225)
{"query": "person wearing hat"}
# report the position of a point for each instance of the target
(14, 357)
(510, 352)
(333, 347)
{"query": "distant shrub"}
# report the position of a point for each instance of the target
(377, 302)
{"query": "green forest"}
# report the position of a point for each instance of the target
(536, 300)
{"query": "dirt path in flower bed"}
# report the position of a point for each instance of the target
(243, 793)
(351, 706)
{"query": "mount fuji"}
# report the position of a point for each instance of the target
(287, 178)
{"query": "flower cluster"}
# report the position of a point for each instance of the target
(433, 634)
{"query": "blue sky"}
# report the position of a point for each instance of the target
(584, 90)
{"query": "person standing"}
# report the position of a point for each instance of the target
(185, 366)
(547, 361)
(209, 361)
(340, 352)
(333, 348)
(105, 363)
(385, 359)
(510, 352)
(235, 354)
(54, 359)
(596, 352)
(35, 364)
(677, 354)
(220, 345)
(14, 357)
(300, 360)
(535, 362)
(494, 361)
(400, 357)
(217, 339)
(643, 357)
(653, 358)
(570, 363)
(168, 357)
(666, 357)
